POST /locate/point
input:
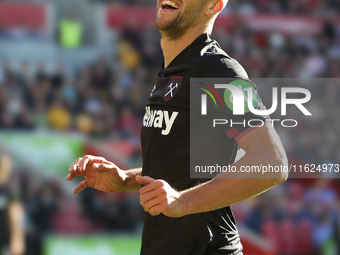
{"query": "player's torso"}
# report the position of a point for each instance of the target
(166, 128)
(165, 143)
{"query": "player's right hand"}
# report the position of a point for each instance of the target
(99, 174)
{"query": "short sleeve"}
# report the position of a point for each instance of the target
(222, 101)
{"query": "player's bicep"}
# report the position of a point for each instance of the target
(263, 141)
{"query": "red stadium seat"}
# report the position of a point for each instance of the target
(270, 231)
(288, 237)
(70, 221)
(305, 238)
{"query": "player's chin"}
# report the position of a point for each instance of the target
(163, 21)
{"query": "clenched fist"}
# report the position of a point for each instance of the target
(157, 196)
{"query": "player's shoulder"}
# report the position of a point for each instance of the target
(214, 62)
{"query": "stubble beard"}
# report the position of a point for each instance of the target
(177, 27)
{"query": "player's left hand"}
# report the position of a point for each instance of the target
(157, 196)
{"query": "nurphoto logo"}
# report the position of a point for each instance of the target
(241, 97)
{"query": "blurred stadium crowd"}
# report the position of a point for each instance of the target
(270, 6)
(105, 100)
(21, 32)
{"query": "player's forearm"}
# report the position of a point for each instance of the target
(224, 191)
(130, 183)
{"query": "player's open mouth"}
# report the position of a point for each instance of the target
(169, 5)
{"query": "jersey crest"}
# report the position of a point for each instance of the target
(172, 87)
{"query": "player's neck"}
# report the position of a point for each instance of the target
(171, 48)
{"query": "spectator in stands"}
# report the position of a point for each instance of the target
(58, 116)
(58, 77)
(70, 32)
(101, 76)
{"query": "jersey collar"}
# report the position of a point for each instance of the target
(181, 56)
